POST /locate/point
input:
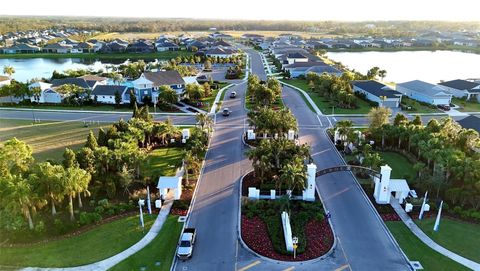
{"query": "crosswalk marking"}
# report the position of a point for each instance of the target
(249, 266)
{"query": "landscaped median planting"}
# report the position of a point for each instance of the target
(262, 229)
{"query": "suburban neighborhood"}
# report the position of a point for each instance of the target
(265, 139)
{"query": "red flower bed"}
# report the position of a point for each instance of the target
(390, 217)
(319, 237)
(179, 212)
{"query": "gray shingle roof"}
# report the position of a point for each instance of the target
(162, 78)
(460, 84)
(72, 81)
(108, 90)
(424, 88)
(377, 89)
(470, 122)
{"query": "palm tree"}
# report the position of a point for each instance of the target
(76, 181)
(167, 95)
(190, 163)
(204, 120)
(382, 74)
(9, 70)
(345, 130)
(294, 175)
(49, 183)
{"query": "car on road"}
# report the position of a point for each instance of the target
(233, 94)
(444, 107)
(185, 246)
(226, 112)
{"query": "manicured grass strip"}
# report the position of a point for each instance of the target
(401, 167)
(83, 107)
(211, 99)
(162, 162)
(157, 255)
(48, 139)
(95, 245)
(466, 106)
(326, 106)
(416, 250)
(460, 237)
(167, 55)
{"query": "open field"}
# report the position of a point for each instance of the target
(460, 237)
(48, 139)
(157, 255)
(157, 55)
(418, 251)
(162, 162)
(94, 245)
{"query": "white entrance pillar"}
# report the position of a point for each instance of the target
(309, 192)
(382, 188)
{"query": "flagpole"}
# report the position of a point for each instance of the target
(148, 201)
(420, 216)
(437, 221)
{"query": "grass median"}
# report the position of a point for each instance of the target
(158, 255)
(92, 246)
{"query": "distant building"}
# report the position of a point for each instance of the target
(106, 94)
(425, 92)
(4, 80)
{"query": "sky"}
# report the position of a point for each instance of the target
(303, 10)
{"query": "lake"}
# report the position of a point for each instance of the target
(26, 69)
(429, 66)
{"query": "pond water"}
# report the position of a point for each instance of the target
(26, 69)
(429, 66)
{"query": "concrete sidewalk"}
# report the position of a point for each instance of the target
(429, 242)
(115, 259)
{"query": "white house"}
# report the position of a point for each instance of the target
(46, 94)
(425, 92)
(106, 93)
(4, 80)
(149, 83)
(296, 57)
(221, 52)
(462, 88)
(378, 92)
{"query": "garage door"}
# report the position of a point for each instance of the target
(389, 103)
(442, 101)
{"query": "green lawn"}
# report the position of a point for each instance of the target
(418, 251)
(401, 167)
(48, 139)
(157, 55)
(460, 237)
(466, 106)
(162, 162)
(325, 105)
(417, 107)
(95, 245)
(157, 255)
(67, 107)
(210, 99)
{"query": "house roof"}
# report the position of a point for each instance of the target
(460, 84)
(219, 51)
(41, 85)
(58, 46)
(323, 68)
(424, 88)
(306, 64)
(376, 88)
(162, 78)
(4, 78)
(398, 185)
(222, 43)
(91, 77)
(108, 90)
(470, 122)
(72, 81)
(296, 55)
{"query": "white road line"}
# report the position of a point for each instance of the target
(249, 266)
(321, 124)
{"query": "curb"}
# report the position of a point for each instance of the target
(244, 245)
(213, 110)
(90, 111)
(387, 231)
(307, 97)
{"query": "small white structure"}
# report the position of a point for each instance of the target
(309, 192)
(385, 187)
(165, 183)
(408, 207)
(185, 134)
(250, 135)
(253, 193)
(291, 135)
(287, 231)
(273, 194)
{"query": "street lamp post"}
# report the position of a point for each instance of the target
(333, 110)
(295, 245)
